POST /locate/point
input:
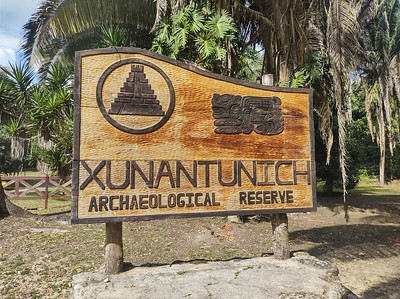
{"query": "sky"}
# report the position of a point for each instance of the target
(13, 15)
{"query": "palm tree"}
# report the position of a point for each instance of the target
(39, 115)
(15, 97)
(381, 39)
(60, 27)
(49, 119)
(15, 83)
(290, 31)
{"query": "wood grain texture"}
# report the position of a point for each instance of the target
(187, 136)
(113, 249)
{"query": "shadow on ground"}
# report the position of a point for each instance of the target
(382, 203)
(383, 290)
(363, 241)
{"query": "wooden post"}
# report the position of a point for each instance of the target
(280, 231)
(268, 79)
(114, 257)
(280, 235)
(46, 192)
(16, 188)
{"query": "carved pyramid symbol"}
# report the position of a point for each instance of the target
(136, 96)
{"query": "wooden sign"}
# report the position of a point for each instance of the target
(158, 138)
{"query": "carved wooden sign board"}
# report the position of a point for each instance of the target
(157, 138)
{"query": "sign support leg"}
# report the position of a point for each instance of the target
(114, 258)
(280, 235)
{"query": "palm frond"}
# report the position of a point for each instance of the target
(58, 23)
(343, 49)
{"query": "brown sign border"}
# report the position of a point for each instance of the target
(77, 126)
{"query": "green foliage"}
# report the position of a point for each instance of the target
(60, 28)
(40, 116)
(14, 127)
(51, 115)
(381, 41)
(57, 77)
(364, 153)
(6, 98)
(46, 110)
(330, 174)
(393, 166)
(8, 165)
(316, 74)
(19, 78)
(382, 35)
(197, 33)
(58, 161)
(247, 64)
(113, 36)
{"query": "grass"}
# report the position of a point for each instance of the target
(36, 206)
(392, 188)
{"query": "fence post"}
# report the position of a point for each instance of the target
(16, 188)
(46, 192)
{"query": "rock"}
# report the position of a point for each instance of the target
(301, 277)
(235, 219)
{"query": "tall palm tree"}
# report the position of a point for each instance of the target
(343, 52)
(381, 39)
(289, 30)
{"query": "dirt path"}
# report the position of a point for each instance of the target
(38, 258)
(366, 249)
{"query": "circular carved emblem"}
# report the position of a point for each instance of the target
(135, 96)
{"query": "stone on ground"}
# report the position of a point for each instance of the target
(301, 277)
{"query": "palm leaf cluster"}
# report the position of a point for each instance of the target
(382, 73)
(60, 27)
(342, 49)
(38, 116)
(15, 83)
(198, 34)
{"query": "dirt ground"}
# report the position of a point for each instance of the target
(38, 257)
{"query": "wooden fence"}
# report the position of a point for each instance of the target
(36, 187)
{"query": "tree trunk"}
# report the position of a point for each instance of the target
(7, 208)
(3, 205)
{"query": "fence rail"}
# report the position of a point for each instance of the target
(36, 187)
